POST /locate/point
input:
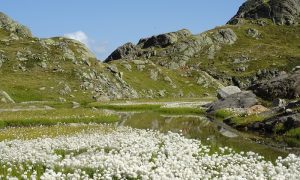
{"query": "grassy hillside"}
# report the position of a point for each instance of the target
(275, 47)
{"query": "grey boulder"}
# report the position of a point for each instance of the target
(227, 91)
(244, 99)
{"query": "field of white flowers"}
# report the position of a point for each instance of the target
(127, 153)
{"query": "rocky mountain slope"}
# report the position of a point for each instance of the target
(33, 69)
(61, 69)
(259, 43)
(258, 49)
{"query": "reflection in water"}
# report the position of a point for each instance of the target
(211, 133)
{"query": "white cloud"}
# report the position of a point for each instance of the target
(99, 48)
(79, 36)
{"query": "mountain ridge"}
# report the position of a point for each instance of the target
(177, 64)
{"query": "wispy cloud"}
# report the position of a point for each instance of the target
(99, 48)
(79, 36)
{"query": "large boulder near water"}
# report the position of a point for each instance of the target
(227, 91)
(279, 11)
(244, 99)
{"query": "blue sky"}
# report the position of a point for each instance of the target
(106, 24)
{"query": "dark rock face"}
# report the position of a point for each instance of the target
(286, 121)
(244, 99)
(145, 46)
(279, 11)
(12, 26)
(164, 40)
(283, 86)
(126, 50)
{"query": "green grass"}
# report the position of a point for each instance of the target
(295, 133)
(291, 137)
(247, 119)
(150, 108)
(53, 117)
(237, 119)
(139, 107)
(277, 48)
(34, 132)
(141, 81)
(223, 114)
(181, 111)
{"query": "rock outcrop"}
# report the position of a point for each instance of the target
(164, 40)
(284, 86)
(279, 11)
(145, 46)
(278, 124)
(176, 48)
(7, 24)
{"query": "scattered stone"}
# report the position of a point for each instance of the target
(103, 98)
(241, 69)
(139, 62)
(173, 65)
(113, 68)
(2, 59)
(153, 75)
(65, 90)
(288, 111)
(127, 66)
(253, 33)
(68, 54)
(5, 98)
(75, 105)
(168, 79)
(62, 99)
(43, 65)
(162, 93)
(140, 67)
(49, 42)
(87, 62)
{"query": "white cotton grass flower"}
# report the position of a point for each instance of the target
(139, 154)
